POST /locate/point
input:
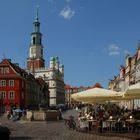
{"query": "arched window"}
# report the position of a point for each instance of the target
(41, 52)
(33, 40)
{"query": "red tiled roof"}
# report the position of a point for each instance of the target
(97, 85)
(67, 86)
(75, 88)
(14, 66)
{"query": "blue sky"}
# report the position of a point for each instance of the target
(91, 37)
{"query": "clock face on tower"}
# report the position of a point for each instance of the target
(32, 52)
(36, 51)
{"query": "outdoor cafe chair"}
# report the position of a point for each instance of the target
(134, 126)
(119, 126)
(105, 126)
(137, 130)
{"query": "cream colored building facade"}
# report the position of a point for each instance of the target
(129, 74)
(54, 76)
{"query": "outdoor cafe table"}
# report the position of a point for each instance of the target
(90, 123)
(130, 122)
(111, 122)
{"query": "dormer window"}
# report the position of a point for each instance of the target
(127, 60)
(6, 70)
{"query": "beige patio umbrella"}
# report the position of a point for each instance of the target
(96, 95)
(132, 92)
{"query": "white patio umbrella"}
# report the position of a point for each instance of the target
(96, 95)
(133, 92)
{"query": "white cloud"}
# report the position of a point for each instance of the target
(114, 49)
(67, 13)
(113, 53)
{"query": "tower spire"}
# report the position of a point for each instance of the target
(36, 22)
(36, 17)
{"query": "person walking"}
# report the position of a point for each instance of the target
(8, 114)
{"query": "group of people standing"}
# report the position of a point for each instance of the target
(15, 114)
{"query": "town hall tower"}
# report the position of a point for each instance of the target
(54, 74)
(35, 60)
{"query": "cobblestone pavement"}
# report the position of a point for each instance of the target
(53, 130)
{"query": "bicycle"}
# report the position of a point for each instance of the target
(70, 123)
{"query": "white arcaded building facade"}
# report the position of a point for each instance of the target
(54, 76)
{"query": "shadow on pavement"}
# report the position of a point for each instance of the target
(20, 138)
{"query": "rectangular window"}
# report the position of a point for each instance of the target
(2, 95)
(11, 94)
(2, 83)
(1, 70)
(11, 83)
(6, 70)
